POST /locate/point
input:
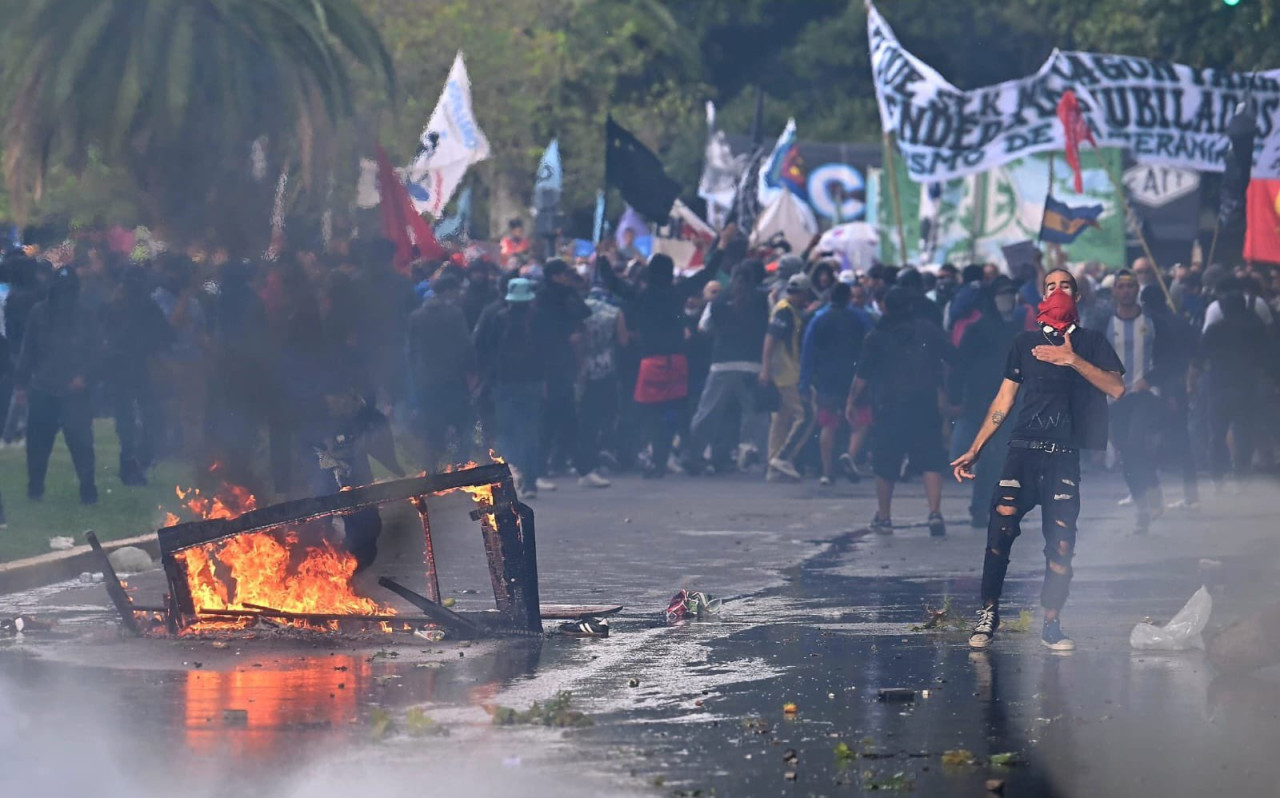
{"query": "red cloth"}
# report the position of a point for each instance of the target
(662, 378)
(1076, 130)
(1058, 310)
(401, 222)
(1262, 209)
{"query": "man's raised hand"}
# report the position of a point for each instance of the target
(1061, 355)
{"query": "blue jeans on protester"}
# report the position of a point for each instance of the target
(518, 413)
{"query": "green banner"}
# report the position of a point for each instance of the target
(1004, 206)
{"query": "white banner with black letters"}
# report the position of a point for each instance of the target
(1158, 111)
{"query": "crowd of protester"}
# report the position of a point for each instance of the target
(288, 373)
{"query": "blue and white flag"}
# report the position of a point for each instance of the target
(769, 184)
(546, 191)
(451, 142)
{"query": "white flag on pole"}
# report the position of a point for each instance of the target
(451, 142)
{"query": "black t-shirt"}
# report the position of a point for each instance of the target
(1055, 403)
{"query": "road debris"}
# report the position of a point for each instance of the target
(555, 713)
(1181, 632)
(896, 694)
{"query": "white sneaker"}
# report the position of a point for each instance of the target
(1125, 502)
(784, 467)
(544, 484)
(824, 480)
(593, 480)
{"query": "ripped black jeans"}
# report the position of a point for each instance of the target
(1032, 477)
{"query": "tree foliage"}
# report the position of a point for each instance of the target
(175, 92)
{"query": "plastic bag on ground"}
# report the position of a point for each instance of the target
(1180, 633)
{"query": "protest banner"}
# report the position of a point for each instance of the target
(1158, 111)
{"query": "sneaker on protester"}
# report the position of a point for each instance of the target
(678, 608)
(1126, 501)
(1053, 638)
(824, 480)
(544, 484)
(848, 468)
(881, 526)
(863, 471)
(748, 456)
(984, 631)
(592, 479)
(937, 527)
(784, 467)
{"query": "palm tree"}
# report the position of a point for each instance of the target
(178, 93)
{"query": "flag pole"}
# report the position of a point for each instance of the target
(1128, 211)
(1059, 254)
(893, 193)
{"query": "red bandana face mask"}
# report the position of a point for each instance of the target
(1058, 311)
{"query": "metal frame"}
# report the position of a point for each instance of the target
(507, 527)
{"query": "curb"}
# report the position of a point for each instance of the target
(60, 566)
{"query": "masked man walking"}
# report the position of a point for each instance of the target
(1067, 373)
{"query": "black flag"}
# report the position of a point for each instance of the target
(1235, 178)
(637, 173)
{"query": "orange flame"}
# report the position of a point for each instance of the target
(268, 569)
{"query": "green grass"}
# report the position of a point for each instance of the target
(121, 511)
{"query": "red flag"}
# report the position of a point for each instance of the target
(401, 223)
(1076, 130)
(1262, 208)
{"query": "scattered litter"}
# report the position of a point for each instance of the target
(88, 578)
(384, 653)
(419, 724)
(1007, 759)
(924, 693)
(1021, 625)
(691, 604)
(790, 775)
(633, 683)
(219, 644)
(62, 543)
(944, 618)
(845, 756)
(789, 709)
(899, 781)
(449, 602)
(130, 560)
(896, 694)
(23, 623)
(380, 723)
(790, 757)
(1180, 633)
(995, 785)
(432, 635)
(555, 712)
(960, 757)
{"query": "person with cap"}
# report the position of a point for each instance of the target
(1065, 373)
(979, 369)
(792, 422)
(509, 350)
(902, 365)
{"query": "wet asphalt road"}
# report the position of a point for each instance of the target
(821, 617)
